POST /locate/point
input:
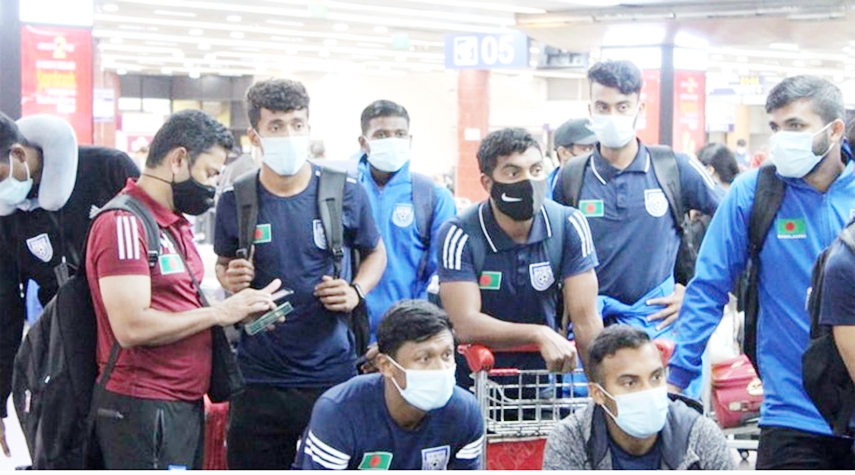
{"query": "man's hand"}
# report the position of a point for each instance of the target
(672, 303)
(336, 295)
(368, 366)
(239, 275)
(247, 303)
(557, 351)
(674, 389)
(3, 443)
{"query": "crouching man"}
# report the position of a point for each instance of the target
(410, 416)
(631, 423)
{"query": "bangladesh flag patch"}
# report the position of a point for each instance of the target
(170, 264)
(490, 280)
(263, 234)
(376, 461)
(791, 229)
(592, 208)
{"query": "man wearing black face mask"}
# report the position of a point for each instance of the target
(510, 299)
(151, 414)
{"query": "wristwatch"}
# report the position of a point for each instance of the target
(359, 292)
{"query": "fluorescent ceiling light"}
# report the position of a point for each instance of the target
(174, 13)
(233, 18)
(121, 72)
(109, 7)
(785, 46)
(340, 27)
(285, 23)
(204, 46)
(196, 32)
(194, 75)
(238, 35)
(330, 42)
(381, 29)
(799, 63)
(324, 54)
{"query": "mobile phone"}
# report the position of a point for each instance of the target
(268, 318)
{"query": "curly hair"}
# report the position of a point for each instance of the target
(278, 95)
(502, 143)
(621, 75)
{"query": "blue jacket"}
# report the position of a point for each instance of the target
(392, 207)
(806, 223)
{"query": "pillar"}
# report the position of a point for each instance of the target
(473, 124)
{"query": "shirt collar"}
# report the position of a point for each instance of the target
(496, 237)
(605, 171)
(165, 217)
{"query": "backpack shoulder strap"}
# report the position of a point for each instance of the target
(126, 202)
(768, 196)
(470, 222)
(424, 201)
(847, 236)
(572, 176)
(330, 205)
(555, 245)
(246, 200)
(668, 174)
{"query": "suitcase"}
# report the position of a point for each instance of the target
(216, 425)
(736, 392)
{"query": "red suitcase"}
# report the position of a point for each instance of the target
(216, 425)
(736, 392)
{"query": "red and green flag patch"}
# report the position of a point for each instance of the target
(263, 234)
(791, 228)
(376, 461)
(490, 280)
(591, 208)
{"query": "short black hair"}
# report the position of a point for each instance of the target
(621, 75)
(192, 129)
(825, 98)
(382, 108)
(608, 342)
(9, 135)
(277, 95)
(718, 156)
(410, 320)
(740, 143)
(502, 143)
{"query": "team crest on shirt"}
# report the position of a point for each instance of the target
(541, 276)
(403, 215)
(319, 235)
(436, 458)
(655, 202)
(41, 247)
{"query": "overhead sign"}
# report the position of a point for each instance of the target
(486, 51)
(57, 12)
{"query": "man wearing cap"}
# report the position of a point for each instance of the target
(572, 138)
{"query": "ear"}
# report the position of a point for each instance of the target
(838, 130)
(642, 106)
(363, 144)
(486, 182)
(385, 366)
(176, 158)
(596, 393)
(253, 137)
(18, 153)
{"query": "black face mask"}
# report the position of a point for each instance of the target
(519, 200)
(191, 197)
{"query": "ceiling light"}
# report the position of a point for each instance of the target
(284, 23)
(742, 59)
(799, 63)
(233, 18)
(291, 51)
(204, 46)
(330, 42)
(167, 71)
(174, 13)
(340, 27)
(194, 75)
(121, 72)
(117, 40)
(401, 58)
(196, 32)
(210, 57)
(370, 45)
(716, 57)
(109, 7)
(178, 54)
(534, 50)
(189, 64)
(238, 35)
(533, 63)
(785, 46)
(324, 54)
(381, 29)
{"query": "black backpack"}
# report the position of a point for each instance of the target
(53, 382)
(824, 375)
(666, 171)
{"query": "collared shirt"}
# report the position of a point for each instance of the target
(351, 429)
(313, 347)
(632, 225)
(117, 247)
(395, 214)
(806, 223)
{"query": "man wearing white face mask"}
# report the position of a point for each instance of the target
(289, 367)
(813, 165)
(631, 423)
(411, 416)
(403, 202)
(627, 204)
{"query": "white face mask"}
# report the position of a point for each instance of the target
(640, 414)
(14, 192)
(285, 155)
(792, 152)
(389, 155)
(613, 130)
(427, 389)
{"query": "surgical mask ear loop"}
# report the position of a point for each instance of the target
(605, 408)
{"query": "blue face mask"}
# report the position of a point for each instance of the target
(641, 414)
(13, 192)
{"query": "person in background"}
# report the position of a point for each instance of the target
(572, 138)
(743, 159)
(720, 163)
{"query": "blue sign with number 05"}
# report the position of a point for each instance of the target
(486, 51)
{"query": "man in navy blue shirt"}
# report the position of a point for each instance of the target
(512, 299)
(385, 173)
(635, 234)
(572, 139)
(288, 368)
(411, 416)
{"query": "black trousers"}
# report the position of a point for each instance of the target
(144, 434)
(265, 424)
(782, 448)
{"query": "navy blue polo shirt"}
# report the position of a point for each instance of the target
(512, 288)
(632, 225)
(314, 347)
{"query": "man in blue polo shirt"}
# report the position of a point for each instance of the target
(572, 139)
(511, 299)
(288, 368)
(632, 227)
(411, 416)
(807, 117)
(385, 173)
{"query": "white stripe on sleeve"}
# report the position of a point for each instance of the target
(458, 258)
(120, 237)
(326, 452)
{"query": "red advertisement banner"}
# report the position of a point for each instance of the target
(56, 75)
(689, 111)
